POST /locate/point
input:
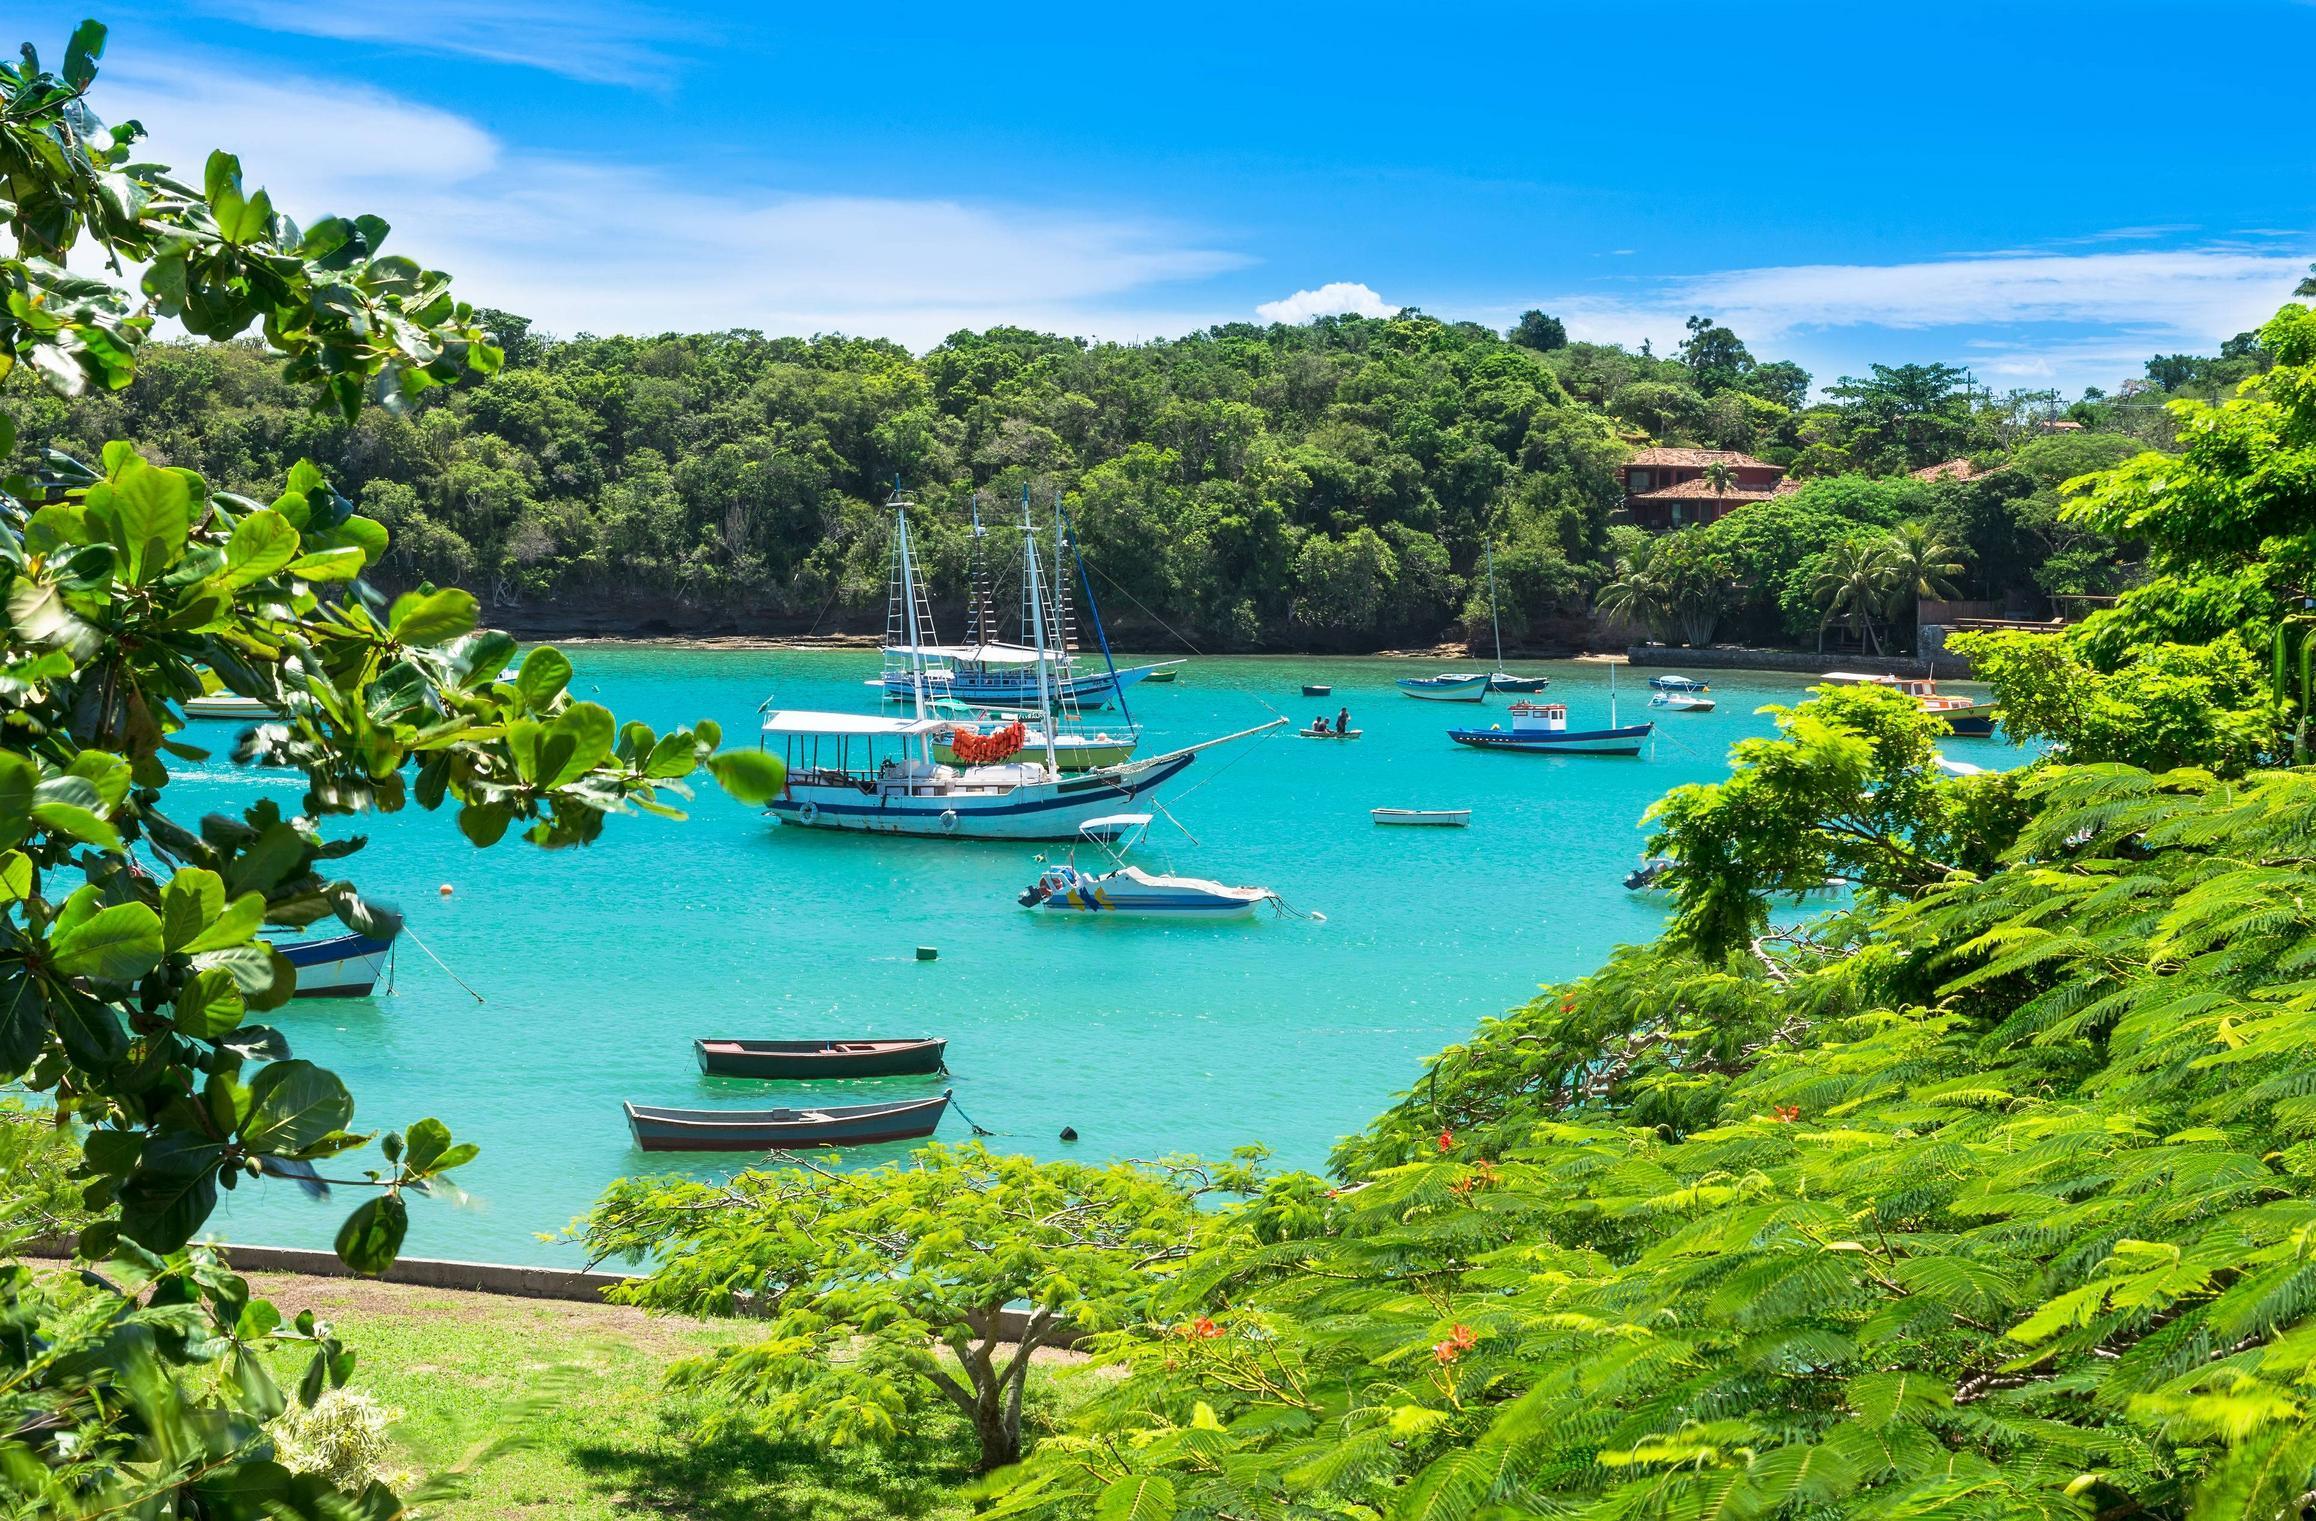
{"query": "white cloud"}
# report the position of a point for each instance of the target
(591, 247)
(598, 40)
(1334, 299)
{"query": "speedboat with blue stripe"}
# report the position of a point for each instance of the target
(1064, 889)
(1543, 727)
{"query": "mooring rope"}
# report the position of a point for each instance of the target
(438, 961)
(968, 1119)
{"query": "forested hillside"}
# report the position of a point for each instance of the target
(1330, 485)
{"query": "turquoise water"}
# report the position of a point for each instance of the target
(599, 966)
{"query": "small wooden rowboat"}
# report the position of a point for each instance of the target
(818, 1058)
(1438, 818)
(1329, 733)
(783, 1129)
(344, 966)
(1314, 689)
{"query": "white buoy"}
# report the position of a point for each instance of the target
(444, 889)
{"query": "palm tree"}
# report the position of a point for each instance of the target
(1919, 564)
(1851, 585)
(1635, 592)
(1720, 475)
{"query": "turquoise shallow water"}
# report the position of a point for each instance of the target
(599, 966)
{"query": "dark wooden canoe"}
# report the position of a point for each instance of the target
(818, 1058)
(784, 1129)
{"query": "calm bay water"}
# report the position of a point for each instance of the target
(600, 966)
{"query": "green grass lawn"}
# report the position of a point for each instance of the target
(581, 1387)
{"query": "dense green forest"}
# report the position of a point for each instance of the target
(1329, 485)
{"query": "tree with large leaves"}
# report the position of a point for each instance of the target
(135, 956)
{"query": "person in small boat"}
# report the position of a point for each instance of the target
(1343, 719)
(1319, 724)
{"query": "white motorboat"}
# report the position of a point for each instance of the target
(1681, 702)
(229, 705)
(1065, 889)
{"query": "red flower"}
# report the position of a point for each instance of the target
(1788, 1113)
(1447, 1140)
(1445, 1351)
(1567, 1005)
(1203, 1329)
(1460, 1340)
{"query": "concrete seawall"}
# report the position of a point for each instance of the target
(1731, 657)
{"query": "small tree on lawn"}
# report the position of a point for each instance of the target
(886, 1288)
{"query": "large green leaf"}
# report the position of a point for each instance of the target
(23, 1020)
(544, 675)
(152, 513)
(372, 1235)
(172, 1191)
(262, 543)
(191, 901)
(210, 1004)
(752, 776)
(293, 1105)
(432, 617)
(116, 944)
(18, 778)
(579, 740)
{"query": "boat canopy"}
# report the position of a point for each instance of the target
(1116, 828)
(973, 654)
(848, 725)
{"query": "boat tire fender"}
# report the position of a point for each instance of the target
(809, 813)
(948, 821)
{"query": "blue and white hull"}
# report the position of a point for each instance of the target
(978, 803)
(1129, 890)
(1624, 740)
(1446, 688)
(344, 966)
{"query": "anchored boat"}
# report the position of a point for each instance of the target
(1501, 680)
(1455, 688)
(1677, 684)
(805, 1059)
(1966, 717)
(343, 966)
(230, 705)
(1543, 726)
(658, 1129)
(1065, 889)
(1435, 818)
(1682, 702)
(877, 775)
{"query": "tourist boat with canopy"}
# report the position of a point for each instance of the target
(1672, 683)
(875, 774)
(805, 1059)
(1064, 889)
(784, 1129)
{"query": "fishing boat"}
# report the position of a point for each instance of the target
(1670, 683)
(229, 705)
(1329, 733)
(1501, 680)
(1681, 702)
(1423, 818)
(1543, 726)
(1966, 717)
(1472, 687)
(343, 966)
(1064, 889)
(873, 774)
(1313, 690)
(784, 1129)
(819, 1058)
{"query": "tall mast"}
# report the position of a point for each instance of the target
(1493, 621)
(1036, 599)
(1612, 693)
(909, 600)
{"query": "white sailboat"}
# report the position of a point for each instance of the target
(879, 775)
(1501, 680)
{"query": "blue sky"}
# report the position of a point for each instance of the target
(2045, 192)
